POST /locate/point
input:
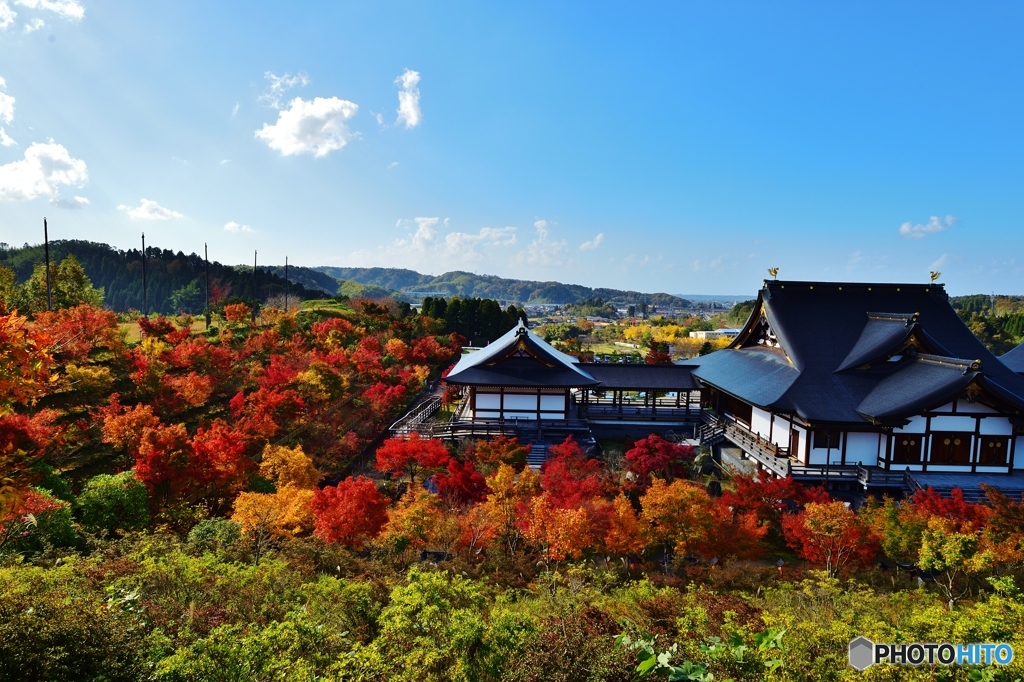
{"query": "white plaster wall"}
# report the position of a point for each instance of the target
(552, 402)
(520, 402)
(953, 424)
(862, 447)
(780, 432)
(996, 426)
(818, 456)
(487, 401)
(916, 425)
(974, 408)
(760, 421)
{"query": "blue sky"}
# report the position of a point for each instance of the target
(675, 147)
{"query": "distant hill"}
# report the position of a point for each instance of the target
(469, 285)
(174, 281)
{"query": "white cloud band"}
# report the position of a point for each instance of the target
(149, 210)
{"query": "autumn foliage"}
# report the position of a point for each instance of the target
(349, 513)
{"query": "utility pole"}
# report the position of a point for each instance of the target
(145, 308)
(286, 283)
(206, 268)
(46, 248)
(255, 295)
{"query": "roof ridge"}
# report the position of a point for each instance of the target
(960, 363)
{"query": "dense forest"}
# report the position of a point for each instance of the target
(175, 282)
(479, 321)
(469, 285)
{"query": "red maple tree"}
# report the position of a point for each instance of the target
(410, 455)
(655, 455)
(349, 513)
(462, 484)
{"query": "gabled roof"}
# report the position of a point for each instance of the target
(1014, 359)
(519, 358)
(836, 352)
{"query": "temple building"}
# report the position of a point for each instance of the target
(520, 385)
(862, 387)
(880, 385)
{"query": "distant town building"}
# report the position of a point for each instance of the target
(715, 334)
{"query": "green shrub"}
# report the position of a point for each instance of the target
(111, 503)
(215, 536)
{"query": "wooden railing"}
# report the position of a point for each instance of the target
(418, 418)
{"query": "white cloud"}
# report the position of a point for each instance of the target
(34, 25)
(149, 210)
(593, 243)
(543, 250)
(933, 226)
(72, 203)
(317, 127)
(44, 168)
(466, 247)
(69, 9)
(393, 164)
(409, 112)
(232, 226)
(6, 105)
(429, 246)
(714, 264)
(279, 85)
(7, 15)
(224, 162)
(6, 115)
(938, 263)
(425, 234)
(234, 109)
(380, 120)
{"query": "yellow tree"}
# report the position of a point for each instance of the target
(625, 534)
(412, 521)
(676, 517)
(509, 493)
(265, 516)
(558, 533)
(288, 467)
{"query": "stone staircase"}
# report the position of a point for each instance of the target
(1010, 485)
(538, 455)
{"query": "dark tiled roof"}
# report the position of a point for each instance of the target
(832, 361)
(643, 377)
(520, 372)
(519, 358)
(1014, 359)
(881, 335)
(918, 383)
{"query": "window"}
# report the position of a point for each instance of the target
(994, 450)
(951, 447)
(826, 438)
(906, 448)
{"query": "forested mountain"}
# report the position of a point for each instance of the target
(174, 280)
(469, 285)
